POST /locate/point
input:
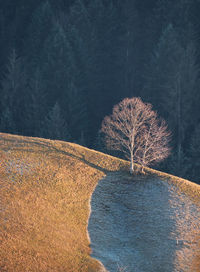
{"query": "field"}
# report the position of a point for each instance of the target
(46, 187)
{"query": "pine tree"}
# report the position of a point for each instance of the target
(35, 106)
(130, 47)
(37, 33)
(80, 34)
(105, 82)
(77, 114)
(99, 143)
(6, 121)
(12, 94)
(194, 163)
(172, 84)
(177, 13)
(54, 125)
(58, 64)
(4, 45)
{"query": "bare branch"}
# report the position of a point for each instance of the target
(134, 129)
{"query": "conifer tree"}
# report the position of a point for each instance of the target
(77, 114)
(37, 32)
(131, 48)
(58, 64)
(99, 142)
(194, 162)
(12, 94)
(172, 83)
(54, 125)
(35, 106)
(105, 77)
(6, 121)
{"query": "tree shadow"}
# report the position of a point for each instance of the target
(27, 144)
(133, 224)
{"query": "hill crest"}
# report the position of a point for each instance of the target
(57, 179)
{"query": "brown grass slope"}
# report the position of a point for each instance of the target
(45, 191)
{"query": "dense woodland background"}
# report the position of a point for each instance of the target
(64, 64)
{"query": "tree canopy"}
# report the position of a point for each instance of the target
(134, 129)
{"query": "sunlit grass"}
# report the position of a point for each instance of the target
(45, 202)
(45, 192)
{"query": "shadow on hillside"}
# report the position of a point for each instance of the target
(17, 144)
(136, 225)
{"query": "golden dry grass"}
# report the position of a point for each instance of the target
(45, 190)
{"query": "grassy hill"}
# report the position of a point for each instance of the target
(46, 187)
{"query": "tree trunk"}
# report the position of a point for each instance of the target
(131, 164)
(179, 125)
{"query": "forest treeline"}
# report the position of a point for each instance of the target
(65, 64)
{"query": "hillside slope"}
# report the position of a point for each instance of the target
(46, 187)
(45, 192)
(144, 225)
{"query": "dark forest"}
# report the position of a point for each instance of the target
(64, 64)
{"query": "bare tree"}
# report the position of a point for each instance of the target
(134, 128)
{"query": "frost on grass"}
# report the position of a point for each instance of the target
(17, 166)
(144, 225)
